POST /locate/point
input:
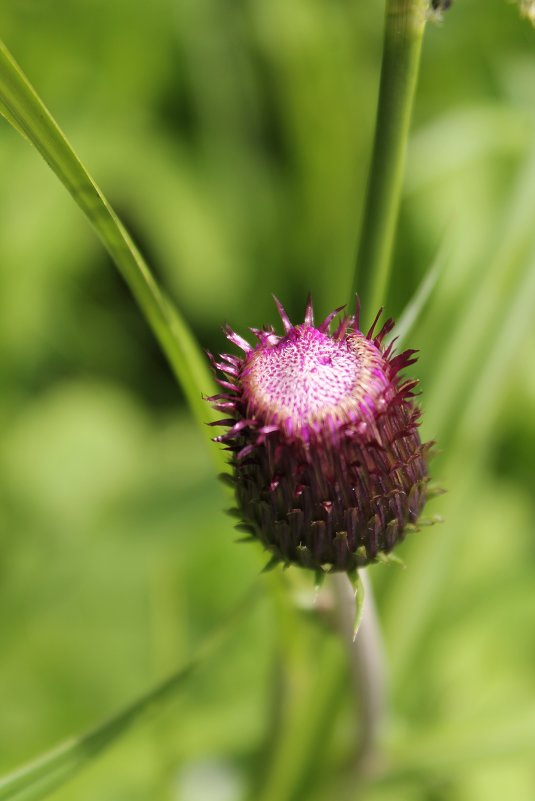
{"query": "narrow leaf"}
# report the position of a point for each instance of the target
(418, 302)
(37, 779)
(25, 111)
(358, 589)
(4, 111)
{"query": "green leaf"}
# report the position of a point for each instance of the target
(5, 112)
(25, 111)
(40, 777)
(409, 612)
(418, 302)
(484, 313)
(358, 590)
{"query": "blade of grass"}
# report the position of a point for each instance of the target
(4, 112)
(22, 107)
(483, 314)
(474, 369)
(38, 778)
(409, 610)
(414, 308)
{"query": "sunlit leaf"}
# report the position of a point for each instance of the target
(23, 108)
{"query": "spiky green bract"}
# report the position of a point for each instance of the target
(327, 463)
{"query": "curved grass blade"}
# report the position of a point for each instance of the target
(24, 110)
(418, 302)
(4, 112)
(433, 562)
(38, 778)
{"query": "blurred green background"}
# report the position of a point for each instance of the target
(233, 139)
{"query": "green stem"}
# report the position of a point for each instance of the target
(308, 693)
(23, 108)
(404, 28)
(367, 667)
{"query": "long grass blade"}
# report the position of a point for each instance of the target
(417, 304)
(38, 778)
(433, 561)
(24, 110)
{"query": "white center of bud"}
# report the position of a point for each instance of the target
(309, 376)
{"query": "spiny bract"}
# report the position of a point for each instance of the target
(328, 466)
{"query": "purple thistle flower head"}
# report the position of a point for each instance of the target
(328, 466)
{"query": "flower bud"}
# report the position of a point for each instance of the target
(327, 463)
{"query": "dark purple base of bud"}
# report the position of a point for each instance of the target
(335, 508)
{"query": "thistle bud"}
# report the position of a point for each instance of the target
(327, 463)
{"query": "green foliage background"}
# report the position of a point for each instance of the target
(233, 139)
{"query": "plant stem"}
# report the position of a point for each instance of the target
(367, 666)
(304, 703)
(404, 28)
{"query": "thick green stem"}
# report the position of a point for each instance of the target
(304, 706)
(404, 28)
